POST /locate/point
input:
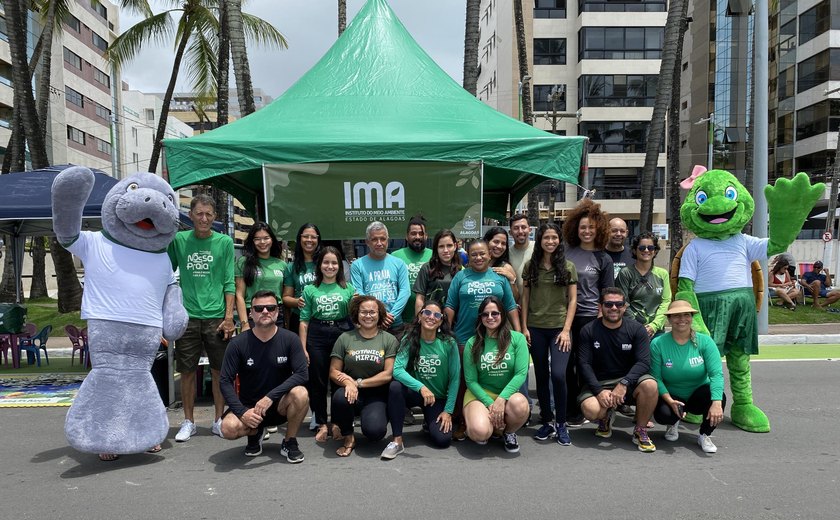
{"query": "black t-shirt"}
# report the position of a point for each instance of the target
(606, 353)
(620, 259)
(265, 369)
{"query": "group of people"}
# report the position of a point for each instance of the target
(816, 284)
(417, 329)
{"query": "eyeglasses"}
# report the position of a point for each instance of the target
(610, 305)
(647, 248)
(431, 314)
(262, 239)
(368, 313)
(490, 314)
(260, 308)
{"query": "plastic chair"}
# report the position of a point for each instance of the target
(34, 344)
(6, 347)
(75, 337)
(83, 335)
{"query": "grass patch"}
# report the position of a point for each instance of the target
(44, 311)
(804, 314)
(58, 365)
(798, 352)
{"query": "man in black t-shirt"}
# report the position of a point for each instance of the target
(613, 363)
(621, 255)
(272, 371)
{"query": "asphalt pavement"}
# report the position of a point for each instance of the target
(791, 472)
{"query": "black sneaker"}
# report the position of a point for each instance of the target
(546, 431)
(289, 448)
(511, 443)
(255, 442)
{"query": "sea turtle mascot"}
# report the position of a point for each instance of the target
(130, 300)
(714, 269)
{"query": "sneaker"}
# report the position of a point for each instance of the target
(626, 410)
(289, 448)
(706, 444)
(391, 451)
(576, 422)
(604, 429)
(546, 431)
(641, 439)
(511, 443)
(563, 438)
(216, 429)
(271, 429)
(460, 432)
(187, 430)
(672, 433)
(254, 446)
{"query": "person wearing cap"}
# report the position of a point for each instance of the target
(689, 374)
(817, 283)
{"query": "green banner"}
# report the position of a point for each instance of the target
(343, 198)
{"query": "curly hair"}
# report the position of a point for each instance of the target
(558, 259)
(634, 244)
(249, 251)
(411, 340)
(502, 335)
(591, 210)
(356, 305)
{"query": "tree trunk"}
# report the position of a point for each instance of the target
(7, 287)
(471, 35)
(69, 288)
(675, 230)
(342, 16)
(676, 14)
(239, 54)
(15, 158)
(522, 55)
(223, 83)
(43, 97)
(38, 288)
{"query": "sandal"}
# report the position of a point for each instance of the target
(108, 457)
(336, 433)
(155, 449)
(323, 433)
(347, 449)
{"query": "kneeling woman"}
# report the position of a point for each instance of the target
(426, 373)
(361, 365)
(690, 375)
(495, 365)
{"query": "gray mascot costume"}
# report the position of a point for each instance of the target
(130, 300)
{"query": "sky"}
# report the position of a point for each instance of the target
(310, 27)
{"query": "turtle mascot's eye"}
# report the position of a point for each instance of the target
(701, 197)
(731, 193)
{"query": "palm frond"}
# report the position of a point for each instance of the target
(141, 7)
(263, 33)
(202, 63)
(125, 47)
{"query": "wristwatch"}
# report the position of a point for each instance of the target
(624, 381)
(359, 383)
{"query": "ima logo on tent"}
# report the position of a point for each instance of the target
(392, 197)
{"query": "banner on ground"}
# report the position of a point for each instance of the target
(343, 198)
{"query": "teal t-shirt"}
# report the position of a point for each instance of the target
(681, 369)
(328, 302)
(438, 368)
(413, 262)
(269, 277)
(299, 280)
(467, 291)
(206, 272)
(502, 378)
(364, 358)
(385, 279)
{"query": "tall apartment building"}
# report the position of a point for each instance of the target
(594, 66)
(138, 121)
(6, 90)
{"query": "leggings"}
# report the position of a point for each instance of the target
(698, 404)
(458, 415)
(401, 397)
(549, 362)
(572, 380)
(371, 405)
(320, 339)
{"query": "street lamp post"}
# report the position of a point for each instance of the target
(711, 138)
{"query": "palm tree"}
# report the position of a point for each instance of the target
(222, 85)
(471, 36)
(239, 54)
(675, 231)
(677, 12)
(342, 16)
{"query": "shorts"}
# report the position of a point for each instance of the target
(201, 335)
(609, 384)
(469, 397)
(272, 416)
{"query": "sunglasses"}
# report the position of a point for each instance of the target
(613, 304)
(431, 314)
(490, 314)
(259, 308)
(646, 248)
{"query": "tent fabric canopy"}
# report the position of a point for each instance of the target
(375, 96)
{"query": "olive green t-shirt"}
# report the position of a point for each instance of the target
(269, 277)
(548, 302)
(328, 302)
(364, 358)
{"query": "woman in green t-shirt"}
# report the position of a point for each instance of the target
(301, 272)
(495, 365)
(647, 286)
(259, 268)
(323, 318)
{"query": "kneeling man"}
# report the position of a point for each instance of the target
(272, 372)
(614, 365)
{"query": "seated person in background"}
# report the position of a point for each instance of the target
(817, 283)
(781, 285)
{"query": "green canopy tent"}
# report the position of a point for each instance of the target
(376, 96)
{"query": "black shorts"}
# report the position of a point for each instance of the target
(272, 416)
(609, 384)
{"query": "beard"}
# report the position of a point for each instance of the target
(417, 246)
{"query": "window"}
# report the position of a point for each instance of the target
(100, 9)
(621, 43)
(134, 135)
(72, 58)
(818, 119)
(150, 114)
(103, 113)
(550, 9)
(103, 146)
(624, 183)
(75, 135)
(617, 90)
(73, 23)
(784, 130)
(4, 32)
(549, 51)
(74, 97)
(99, 42)
(549, 98)
(617, 136)
(786, 83)
(135, 158)
(101, 77)
(619, 6)
(819, 19)
(818, 69)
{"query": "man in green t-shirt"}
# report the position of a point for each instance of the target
(205, 261)
(414, 256)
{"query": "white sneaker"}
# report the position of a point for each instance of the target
(392, 450)
(705, 442)
(672, 433)
(187, 430)
(216, 429)
(271, 429)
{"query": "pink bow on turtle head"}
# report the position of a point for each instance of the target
(688, 183)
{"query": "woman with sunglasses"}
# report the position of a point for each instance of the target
(435, 276)
(426, 374)
(497, 243)
(301, 272)
(323, 319)
(549, 300)
(259, 268)
(647, 286)
(361, 367)
(495, 361)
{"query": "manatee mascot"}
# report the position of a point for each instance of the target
(130, 300)
(714, 271)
